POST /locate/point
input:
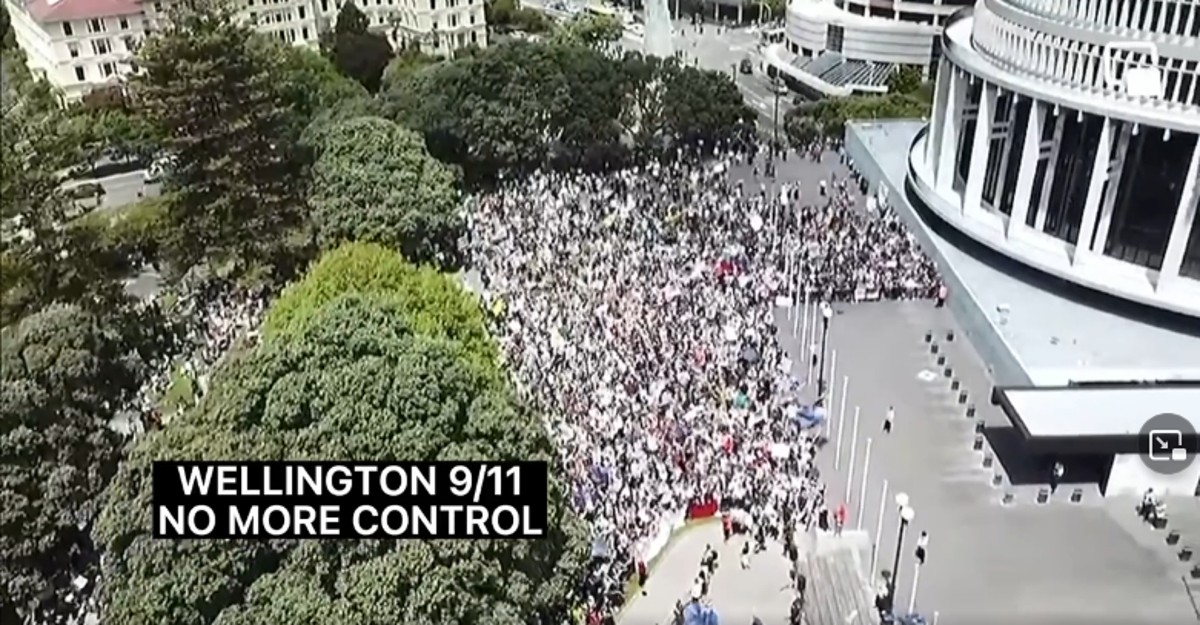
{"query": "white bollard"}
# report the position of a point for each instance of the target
(878, 529)
(862, 491)
(832, 376)
(837, 456)
(912, 598)
(853, 450)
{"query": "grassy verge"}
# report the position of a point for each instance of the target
(180, 393)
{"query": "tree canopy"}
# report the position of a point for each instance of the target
(345, 374)
(826, 119)
(63, 373)
(523, 105)
(213, 88)
(433, 304)
(506, 16)
(373, 180)
(355, 50)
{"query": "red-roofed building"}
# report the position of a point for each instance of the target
(78, 45)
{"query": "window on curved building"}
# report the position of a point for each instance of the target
(997, 144)
(1151, 185)
(966, 138)
(1191, 255)
(1016, 146)
(834, 37)
(1072, 173)
(1045, 149)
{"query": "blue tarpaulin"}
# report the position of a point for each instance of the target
(697, 613)
(807, 416)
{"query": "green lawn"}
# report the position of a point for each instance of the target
(180, 393)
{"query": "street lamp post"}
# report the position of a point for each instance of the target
(775, 119)
(906, 516)
(826, 315)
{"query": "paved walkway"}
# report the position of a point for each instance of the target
(738, 595)
(988, 562)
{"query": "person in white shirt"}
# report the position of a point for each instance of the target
(922, 545)
(888, 419)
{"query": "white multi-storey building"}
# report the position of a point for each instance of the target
(1064, 136)
(840, 47)
(78, 45)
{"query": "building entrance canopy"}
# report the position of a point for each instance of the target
(1102, 419)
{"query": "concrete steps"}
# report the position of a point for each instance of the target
(837, 591)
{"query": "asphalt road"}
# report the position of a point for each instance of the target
(119, 190)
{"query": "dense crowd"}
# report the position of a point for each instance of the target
(207, 318)
(636, 310)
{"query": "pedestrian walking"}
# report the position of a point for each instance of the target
(888, 419)
(1056, 475)
(922, 546)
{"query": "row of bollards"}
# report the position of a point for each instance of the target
(979, 441)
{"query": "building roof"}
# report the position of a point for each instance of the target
(1064, 412)
(839, 71)
(51, 11)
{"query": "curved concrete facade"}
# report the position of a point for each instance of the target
(867, 30)
(1036, 150)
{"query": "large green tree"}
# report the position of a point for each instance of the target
(826, 119)
(702, 108)
(516, 105)
(213, 88)
(63, 374)
(355, 50)
(373, 180)
(45, 258)
(311, 84)
(433, 305)
(356, 382)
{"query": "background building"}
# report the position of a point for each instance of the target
(79, 45)
(839, 47)
(1036, 153)
(1056, 186)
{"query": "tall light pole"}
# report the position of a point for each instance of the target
(906, 516)
(775, 82)
(826, 315)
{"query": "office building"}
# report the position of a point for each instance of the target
(79, 45)
(842, 47)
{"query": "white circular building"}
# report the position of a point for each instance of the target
(839, 47)
(1064, 136)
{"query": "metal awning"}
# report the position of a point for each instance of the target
(1107, 411)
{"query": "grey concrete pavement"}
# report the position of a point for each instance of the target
(988, 563)
(738, 595)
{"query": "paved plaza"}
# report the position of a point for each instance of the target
(988, 562)
(738, 595)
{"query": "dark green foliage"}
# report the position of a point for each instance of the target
(213, 89)
(906, 79)
(506, 16)
(63, 372)
(524, 105)
(354, 382)
(826, 119)
(373, 180)
(312, 84)
(354, 50)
